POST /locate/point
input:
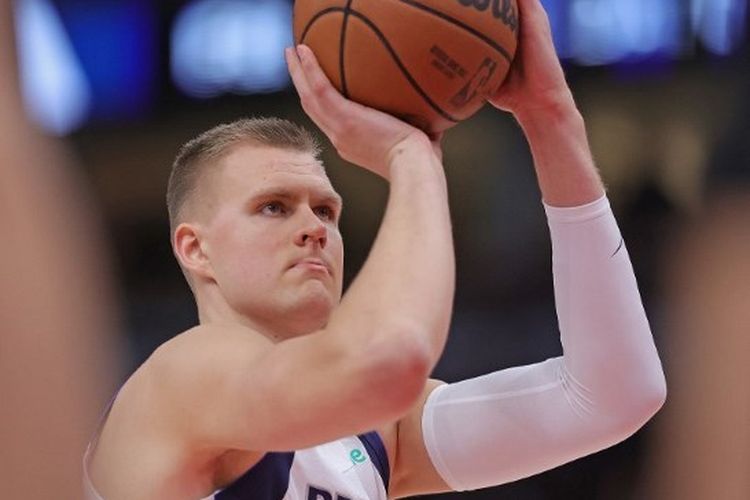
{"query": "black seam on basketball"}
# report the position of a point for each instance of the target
(388, 47)
(489, 41)
(403, 69)
(342, 45)
(317, 16)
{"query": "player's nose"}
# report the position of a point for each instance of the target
(311, 229)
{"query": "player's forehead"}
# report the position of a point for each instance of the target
(250, 169)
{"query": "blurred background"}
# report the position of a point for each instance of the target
(664, 86)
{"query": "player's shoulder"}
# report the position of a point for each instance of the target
(158, 410)
(203, 351)
(211, 338)
(176, 384)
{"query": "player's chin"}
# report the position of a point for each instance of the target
(318, 296)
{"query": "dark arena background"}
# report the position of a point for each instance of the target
(664, 86)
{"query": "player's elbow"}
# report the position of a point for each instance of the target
(398, 373)
(653, 396)
(640, 404)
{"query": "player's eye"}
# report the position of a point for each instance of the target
(273, 208)
(326, 213)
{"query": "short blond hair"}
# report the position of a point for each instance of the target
(198, 154)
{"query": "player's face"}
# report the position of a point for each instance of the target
(273, 239)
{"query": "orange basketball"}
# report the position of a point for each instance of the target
(430, 62)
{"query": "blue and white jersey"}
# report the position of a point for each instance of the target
(353, 468)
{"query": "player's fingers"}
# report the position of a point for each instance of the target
(295, 70)
(306, 94)
(336, 107)
(532, 13)
(436, 137)
(319, 82)
(437, 143)
(297, 73)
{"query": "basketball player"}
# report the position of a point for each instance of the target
(286, 392)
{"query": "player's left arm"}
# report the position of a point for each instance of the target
(520, 421)
(517, 422)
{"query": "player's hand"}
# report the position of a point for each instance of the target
(536, 82)
(361, 135)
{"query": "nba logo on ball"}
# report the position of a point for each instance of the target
(430, 62)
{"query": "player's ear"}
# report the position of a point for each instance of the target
(188, 248)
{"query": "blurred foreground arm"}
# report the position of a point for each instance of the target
(55, 361)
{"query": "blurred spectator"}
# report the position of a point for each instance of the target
(702, 443)
(701, 448)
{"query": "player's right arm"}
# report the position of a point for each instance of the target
(224, 389)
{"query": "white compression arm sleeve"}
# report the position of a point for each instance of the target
(521, 421)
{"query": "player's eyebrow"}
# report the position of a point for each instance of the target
(332, 198)
(326, 196)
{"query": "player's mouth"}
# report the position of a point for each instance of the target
(312, 264)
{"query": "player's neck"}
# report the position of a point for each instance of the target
(274, 326)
